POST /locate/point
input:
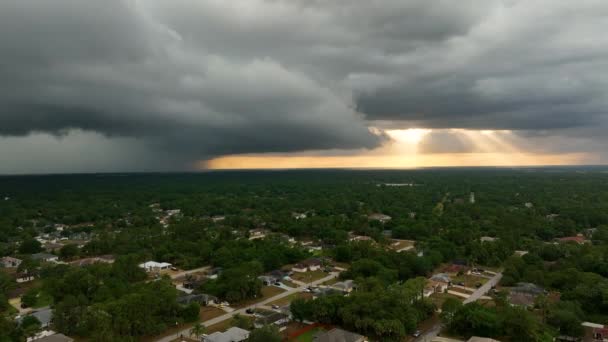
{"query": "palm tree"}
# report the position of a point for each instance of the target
(198, 330)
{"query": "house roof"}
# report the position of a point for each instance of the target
(8, 258)
(592, 325)
(442, 277)
(55, 338)
(577, 239)
(44, 316)
(154, 264)
(338, 335)
(481, 339)
(43, 256)
(527, 288)
(521, 299)
(347, 284)
(272, 318)
(234, 334)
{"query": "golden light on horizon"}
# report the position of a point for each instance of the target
(410, 135)
(489, 148)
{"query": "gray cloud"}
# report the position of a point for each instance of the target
(446, 142)
(191, 79)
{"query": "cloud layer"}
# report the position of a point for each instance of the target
(184, 80)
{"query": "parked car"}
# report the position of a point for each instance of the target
(249, 311)
(276, 307)
(417, 333)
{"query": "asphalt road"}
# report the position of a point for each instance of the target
(186, 332)
(430, 334)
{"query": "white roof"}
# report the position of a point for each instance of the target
(593, 325)
(154, 264)
(231, 335)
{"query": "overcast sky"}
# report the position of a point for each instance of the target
(144, 85)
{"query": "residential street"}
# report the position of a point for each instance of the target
(185, 273)
(429, 335)
(186, 332)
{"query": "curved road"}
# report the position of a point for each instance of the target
(186, 332)
(430, 334)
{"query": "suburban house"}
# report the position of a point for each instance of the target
(218, 218)
(312, 265)
(268, 279)
(46, 257)
(10, 262)
(360, 238)
(24, 277)
(481, 339)
(327, 291)
(202, 299)
(258, 233)
(379, 217)
(579, 238)
(106, 259)
(50, 246)
(277, 318)
(487, 239)
(402, 245)
(44, 316)
(299, 216)
(55, 338)
(339, 335)
(521, 253)
(215, 272)
(524, 294)
(347, 286)
(234, 334)
(153, 266)
(442, 278)
(433, 287)
(595, 332)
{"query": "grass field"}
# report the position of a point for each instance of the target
(469, 280)
(308, 277)
(308, 336)
(267, 292)
(290, 298)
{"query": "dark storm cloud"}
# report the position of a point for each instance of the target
(116, 69)
(190, 79)
(528, 65)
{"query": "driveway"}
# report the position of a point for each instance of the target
(429, 335)
(186, 332)
(185, 273)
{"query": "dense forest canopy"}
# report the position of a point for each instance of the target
(446, 211)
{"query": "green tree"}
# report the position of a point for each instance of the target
(268, 333)
(30, 246)
(69, 251)
(198, 330)
(241, 321)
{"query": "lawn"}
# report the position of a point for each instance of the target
(469, 280)
(308, 277)
(309, 335)
(439, 298)
(267, 292)
(331, 281)
(289, 283)
(287, 300)
(221, 326)
(43, 300)
(209, 312)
